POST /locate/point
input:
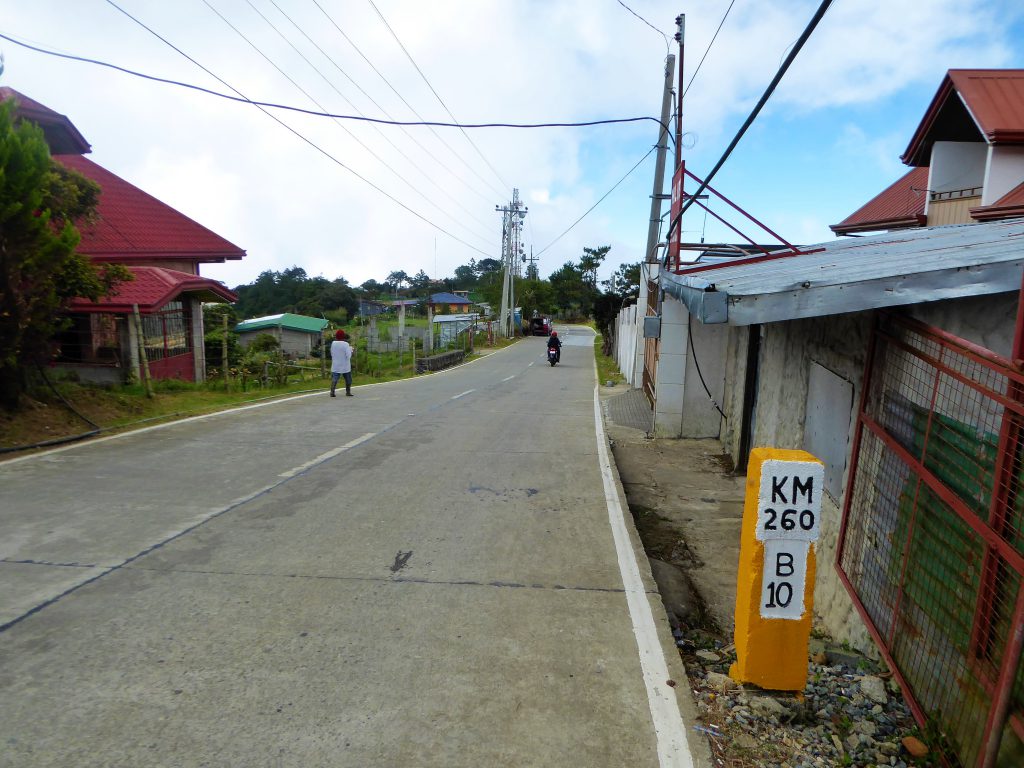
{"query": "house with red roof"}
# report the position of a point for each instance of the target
(162, 249)
(967, 158)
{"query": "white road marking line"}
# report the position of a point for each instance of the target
(328, 455)
(673, 747)
(507, 378)
(463, 394)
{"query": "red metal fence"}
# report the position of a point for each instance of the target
(932, 540)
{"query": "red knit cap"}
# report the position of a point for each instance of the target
(340, 335)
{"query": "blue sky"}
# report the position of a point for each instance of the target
(828, 141)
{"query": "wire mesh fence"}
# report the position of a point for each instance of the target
(932, 546)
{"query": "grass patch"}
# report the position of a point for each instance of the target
(44, 416)
(607, 368)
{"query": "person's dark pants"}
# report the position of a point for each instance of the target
(348, 382)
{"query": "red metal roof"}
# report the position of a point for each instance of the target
(61, 134)
(899, 205)
(134, 226)
(1008, 206)
(994, 100)
(152, 288)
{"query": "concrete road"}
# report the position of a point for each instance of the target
(435, 572)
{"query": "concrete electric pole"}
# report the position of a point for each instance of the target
(511, 253)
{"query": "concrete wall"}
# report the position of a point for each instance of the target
(671, 378)
(733, 389)
(1003, 172)
(707, 348)
(985, 320)
(626, 333)
(839, 344)
(957, 165)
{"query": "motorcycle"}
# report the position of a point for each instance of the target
(552, 356)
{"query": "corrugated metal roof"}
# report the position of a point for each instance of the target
(152, 288)
(995, 98)
(1009, 205)
(994, 101)
(448, 298)
(901, 204)
(284, 320)
(907, 267)
(133, 225)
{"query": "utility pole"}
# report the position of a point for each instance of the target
(511, 251)
(531, 269)
(657, 195)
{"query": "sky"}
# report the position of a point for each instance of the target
(350, 199)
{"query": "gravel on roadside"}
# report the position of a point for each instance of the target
(846, 716)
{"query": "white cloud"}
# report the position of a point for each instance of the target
(241, 174)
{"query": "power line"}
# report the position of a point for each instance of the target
(319, 113)
(546, 247)
(308, 141)
(306, 93)
(818, 15)
(645, 21)
(437, 95)
(708, 49)
(429, 178)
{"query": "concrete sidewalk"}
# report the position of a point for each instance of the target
(688, 504)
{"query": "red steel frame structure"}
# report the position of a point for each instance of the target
(931, 544)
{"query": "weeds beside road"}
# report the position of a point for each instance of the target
(43, 417)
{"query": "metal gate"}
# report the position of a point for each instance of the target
(932, 540)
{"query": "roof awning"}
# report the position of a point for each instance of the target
(852, 275)
(153, 288)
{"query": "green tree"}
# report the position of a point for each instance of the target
(624, 282)
(396, 280)
(573, 294)
(591, 260)
(40, 272)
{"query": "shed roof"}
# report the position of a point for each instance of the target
(284, 320)
(61, 135)
(448, 298)
(153, 288)
(133, 225)
(911, 266)
(899, 205)
(971, 105)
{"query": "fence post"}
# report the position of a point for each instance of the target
(224, 353)
(143, 358)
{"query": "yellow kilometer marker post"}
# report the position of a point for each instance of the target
(775, 582)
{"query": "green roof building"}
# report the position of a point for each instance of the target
(298, 335)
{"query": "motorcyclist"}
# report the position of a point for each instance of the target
(554, 341)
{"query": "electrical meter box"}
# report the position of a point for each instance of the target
(652, 327)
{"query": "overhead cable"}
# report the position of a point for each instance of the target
(319, 113)
(437, 95)
(645, 21)
(427, 176)
(307, 140)
(708, 49)
(401, 177)
(818, 15)
(601, 200)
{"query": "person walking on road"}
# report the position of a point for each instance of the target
(341, 362)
